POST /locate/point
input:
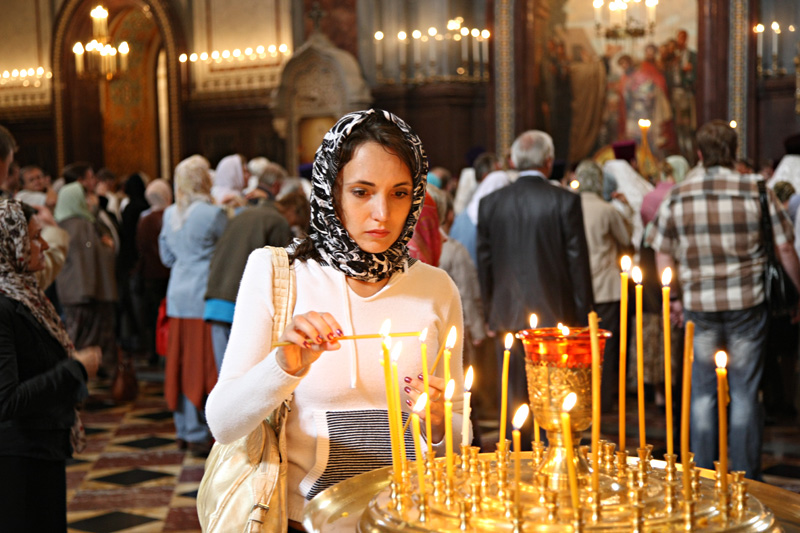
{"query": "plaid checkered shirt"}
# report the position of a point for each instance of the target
(710, 225)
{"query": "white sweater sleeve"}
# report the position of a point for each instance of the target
(251, 384)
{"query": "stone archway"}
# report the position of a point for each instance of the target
(71, 16)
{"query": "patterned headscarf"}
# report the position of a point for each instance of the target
(328, 234)
(16, 282)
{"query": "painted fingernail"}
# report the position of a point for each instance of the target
(339, 332)
(408, 403)
(419, 377)
(320, 340)
(407, 379)
(407, 389)
(306, 344)
(331, 336)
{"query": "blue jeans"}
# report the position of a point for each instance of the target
(190, 422)
(743, 335)
(220, 333)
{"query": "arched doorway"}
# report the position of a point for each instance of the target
(116, 123)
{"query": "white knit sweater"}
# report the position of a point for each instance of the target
(337, 427)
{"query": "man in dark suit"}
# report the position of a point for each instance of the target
(532, 256)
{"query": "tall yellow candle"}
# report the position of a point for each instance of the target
(533, 321)
(427, 390)
(566, 428)
(519, 420)
(398, 407)
(448, 346)
(415, 431)
(666, 278)
(509, 340)
(387, 376)
(637, 278)
(448, 428)
(465, 441)
(623, 346)
(721, 358)
(595, 401)
(686, 408)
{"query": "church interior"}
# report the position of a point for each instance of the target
(143, 84)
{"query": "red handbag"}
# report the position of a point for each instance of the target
(162, 329)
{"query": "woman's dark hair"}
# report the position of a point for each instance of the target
(75, 171)
(28, 211)
(716, 141)
(375, 128)
(298, 202)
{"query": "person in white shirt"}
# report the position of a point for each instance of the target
(352, 272)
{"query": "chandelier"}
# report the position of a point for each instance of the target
(625, 18)
(99, 58)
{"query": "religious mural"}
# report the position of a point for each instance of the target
(603, 69)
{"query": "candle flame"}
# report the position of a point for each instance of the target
(396, 351)
(598, 4)
(451, 338)
(468, 380)
(378, 35)
(775, 26)
(386, 327)
(421, 401)
(509, 340)
(569, 402)
(733, 124)
(520, 416)
(78, 48)
(565, 331)
(423, 335)
(402, 35)
(475, 32)
(625, 263)
(432, 31)
(644, 123)
(636, 274)
(485, 34)
(533, 320)
(560, 326)
(416, 34)
(574, 184)
(451, 388)
(759, 28)
(721, 358)
(666, 277)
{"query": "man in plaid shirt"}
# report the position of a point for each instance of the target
(709, 228)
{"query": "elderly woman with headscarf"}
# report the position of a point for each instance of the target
(149, 268)
(608, 236)
(352, 272)
(189, 235)
(42, 378)
(230, 180)
(86, 285)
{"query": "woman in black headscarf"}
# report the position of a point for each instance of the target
(352, 272)
(42, 378)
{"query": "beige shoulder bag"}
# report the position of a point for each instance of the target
(244, 484)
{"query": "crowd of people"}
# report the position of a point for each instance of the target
(93, 267)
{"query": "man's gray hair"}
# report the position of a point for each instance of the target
(531, 150)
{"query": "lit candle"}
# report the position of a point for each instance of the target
(595, 401)
(519, 420)
(467, 396)
(485, 46)
(401, 48)
(721, 358)
(475, 33)
(776, 30)
(651, 11)
(123, 55)
(415, 431)
(637, 278)
(432, 45)
(598, 11)
(623, 346)
(686, 408)
(448, 428)
(566, 428)
(427, 390)
(78, 51)
(398, 406)
(379, 48)
(509, 340)
(387, 376)
(450, 342)
(417, 35)
(666, 278)
(464, 46)
(759, 29)
(533, 320)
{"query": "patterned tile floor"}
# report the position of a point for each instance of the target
(133, 478)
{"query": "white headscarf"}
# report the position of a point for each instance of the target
(788, 170)
(634, 187)
(228, 178)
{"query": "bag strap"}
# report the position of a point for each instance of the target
(284, 294)
(766, 222)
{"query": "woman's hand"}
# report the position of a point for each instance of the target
(90, 359)
(310, 334)
(414, 388)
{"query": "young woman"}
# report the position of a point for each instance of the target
(353, 271)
